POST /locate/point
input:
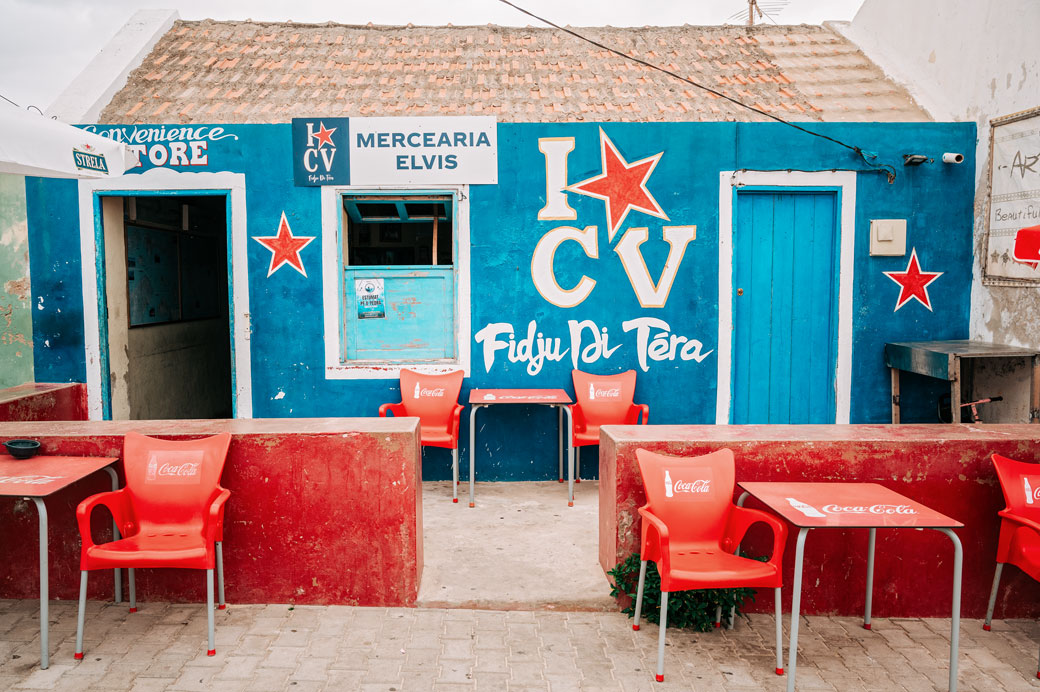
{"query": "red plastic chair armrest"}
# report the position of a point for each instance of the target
(1020, 520)
(396, 409)
(456, 414)
(633, 414)
(216, 515)
(653, 522)
(741, 519)
(578, 418)
(117, 503)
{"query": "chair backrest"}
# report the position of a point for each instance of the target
(431, 397)
(692, 495)
(604, 399)
(1020, 482)
(172, 482)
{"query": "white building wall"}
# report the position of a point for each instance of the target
(969, 60)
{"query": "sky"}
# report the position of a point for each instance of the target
(45, 44)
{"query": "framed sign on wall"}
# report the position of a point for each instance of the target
(1014, 201)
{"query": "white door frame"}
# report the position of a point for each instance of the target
(729, 181)
(164, 179)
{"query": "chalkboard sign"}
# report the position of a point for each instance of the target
(1014, 201)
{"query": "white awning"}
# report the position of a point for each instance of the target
(32, 144)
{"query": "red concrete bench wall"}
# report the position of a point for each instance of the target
(35, 401)
(322, 511)
(946, 467)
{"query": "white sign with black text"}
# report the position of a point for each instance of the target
(437, 150)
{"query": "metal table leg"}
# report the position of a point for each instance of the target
(796, 603)
(472, 447)
(44, 595)
(118, 573)
(870, 578)
(559, 414)
(570, 457)
(955, 624)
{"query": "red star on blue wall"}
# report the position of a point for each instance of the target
(622, 185)
(285, 247)
(324, 136)
(913, 283)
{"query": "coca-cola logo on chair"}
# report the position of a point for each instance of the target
(688, 484)
(604, 391)
(433, 392)
(174, 468)
(1031, 487)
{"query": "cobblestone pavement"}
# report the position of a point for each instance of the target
(278, 647)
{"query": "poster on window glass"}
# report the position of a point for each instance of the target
(370, 304)
(1015, 199)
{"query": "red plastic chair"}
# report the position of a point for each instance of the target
(170, 514)
(434, 400)
(1019, 542)
(602, 400)
(691, 529)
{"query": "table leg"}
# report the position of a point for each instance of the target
(44, 595)
(559, 413)
(570, 457)
(1034, 392)
(870, 578)
(796, 603)
(955, 618)
(895, 395)
(117, 573)
(955, 392)
(472, 447)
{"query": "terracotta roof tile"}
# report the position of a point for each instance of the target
(206, 71)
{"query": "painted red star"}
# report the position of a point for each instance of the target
(285, 247)
(621, 185)
(324, 136)
(913, 283)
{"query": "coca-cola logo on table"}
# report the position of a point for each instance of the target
(29, 480)
(174, 468)
(871, 509)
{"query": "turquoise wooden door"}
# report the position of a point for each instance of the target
(785, 269)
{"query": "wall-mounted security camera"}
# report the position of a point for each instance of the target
(952, 157)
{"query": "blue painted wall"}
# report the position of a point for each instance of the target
(519, 443)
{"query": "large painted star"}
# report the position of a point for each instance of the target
(324, 136)
(913, 283)
(285, 247)
(621, 185)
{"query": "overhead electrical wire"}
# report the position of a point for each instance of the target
(867, 157)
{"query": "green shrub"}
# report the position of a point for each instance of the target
(686, 609)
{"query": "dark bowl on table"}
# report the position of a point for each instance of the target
(22, 449)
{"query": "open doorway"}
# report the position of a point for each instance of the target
(166, 307)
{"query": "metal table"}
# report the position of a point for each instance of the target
(854, 506)
(558, 398)
(942, 360)
(36, 478)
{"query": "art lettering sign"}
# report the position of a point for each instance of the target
(320, 151)
(1014, 197)
(623, 187)
(370, 302)
(439, 151)
(164, 146)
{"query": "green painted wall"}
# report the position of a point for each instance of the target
(16, 357)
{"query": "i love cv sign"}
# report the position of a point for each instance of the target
(395, 151)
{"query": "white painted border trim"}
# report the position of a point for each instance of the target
(332, 287)
(159, 179)
(846, 182)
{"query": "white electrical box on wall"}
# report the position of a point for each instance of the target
(888, 237)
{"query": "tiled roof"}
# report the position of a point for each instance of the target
(252, 72)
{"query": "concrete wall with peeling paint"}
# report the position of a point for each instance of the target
(970, 62)
(16, 356)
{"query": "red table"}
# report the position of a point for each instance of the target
(480, 398)
(854, 506)
(35, 479)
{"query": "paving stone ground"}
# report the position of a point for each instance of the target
(302, 648)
